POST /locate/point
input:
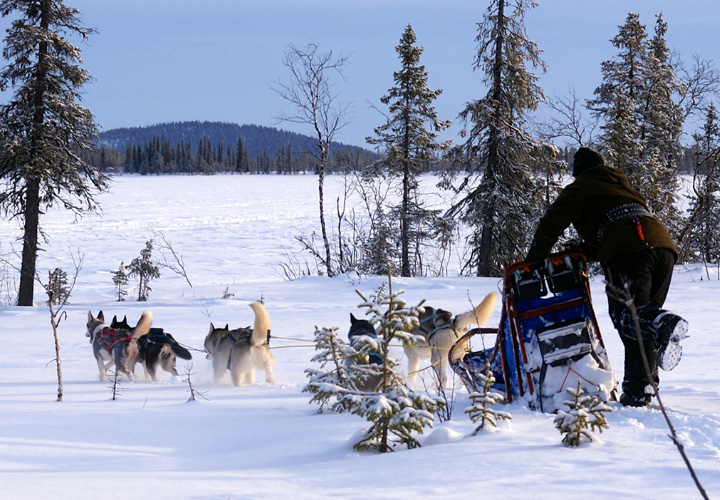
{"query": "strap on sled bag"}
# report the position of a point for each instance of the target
(528, 282)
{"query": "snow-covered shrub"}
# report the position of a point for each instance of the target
(585, 414)
(481, 409)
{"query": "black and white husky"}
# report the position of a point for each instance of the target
(242, 350)
(116, 346)
(156, 349)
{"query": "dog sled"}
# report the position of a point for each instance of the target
(548, 338)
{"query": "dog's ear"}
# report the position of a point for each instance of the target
(443, 317)
(227, 326)
(101, 316)
(211, 327)
(353, 319)
(90, 317)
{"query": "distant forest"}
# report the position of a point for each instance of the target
(214, 147)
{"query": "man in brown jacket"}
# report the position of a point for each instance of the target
(633, 247)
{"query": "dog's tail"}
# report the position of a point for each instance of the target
(179, 350)
(261, 329)
(479, 315)
(143, 325)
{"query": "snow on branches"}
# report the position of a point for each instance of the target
(483, 400)
(361, 378)
(585, 414)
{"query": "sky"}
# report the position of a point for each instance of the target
(267, 441)
(217, 60)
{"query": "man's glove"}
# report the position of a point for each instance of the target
(573, 244)
(589, 251)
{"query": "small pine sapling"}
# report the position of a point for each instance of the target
(344, 371)
(120, 280)
(59, 290)
(332, 379)
(395, 411)
(482, 401)
(145, 270)
(585, 414)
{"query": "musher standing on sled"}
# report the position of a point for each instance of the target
(632, 245)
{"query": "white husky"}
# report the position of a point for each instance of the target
(440, 331)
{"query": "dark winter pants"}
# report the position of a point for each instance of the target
(649, 274)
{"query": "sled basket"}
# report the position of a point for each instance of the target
(548, 338)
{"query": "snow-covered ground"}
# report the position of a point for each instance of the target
(267, 441)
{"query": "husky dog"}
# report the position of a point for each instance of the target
(243, 350)
(430, 320)
(445, 334)
(358, 328)
(438, 330)
(121, 325)
(160, 349)
(155, 348)
(115, 345)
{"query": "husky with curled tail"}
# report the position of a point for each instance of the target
(440, 330)
(116, 345)
(243, 350)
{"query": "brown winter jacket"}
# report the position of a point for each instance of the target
(585, 203)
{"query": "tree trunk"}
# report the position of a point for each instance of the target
(32, 201)
(321, 195)
(405, 216)
(30, 244)
(405, 222)
(486, 266)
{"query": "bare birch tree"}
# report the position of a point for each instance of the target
(310, 91)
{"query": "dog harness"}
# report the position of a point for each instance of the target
(110, 337)
(245, 333)
(429, 326)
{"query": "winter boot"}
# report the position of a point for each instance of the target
(671, 330)
(635, 400)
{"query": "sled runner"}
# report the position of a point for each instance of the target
(547, 340)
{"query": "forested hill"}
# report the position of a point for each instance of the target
(256, 140)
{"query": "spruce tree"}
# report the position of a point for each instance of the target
(483, 400)
(585, 414)
(344, 369)
(58, 288)
(498, 197)
(145, 270)
(642, 120)
(395, 411)
(663, 118)
(332, 380)
(701, 236)
(408, 141)
(43, 128)
(120, 279)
